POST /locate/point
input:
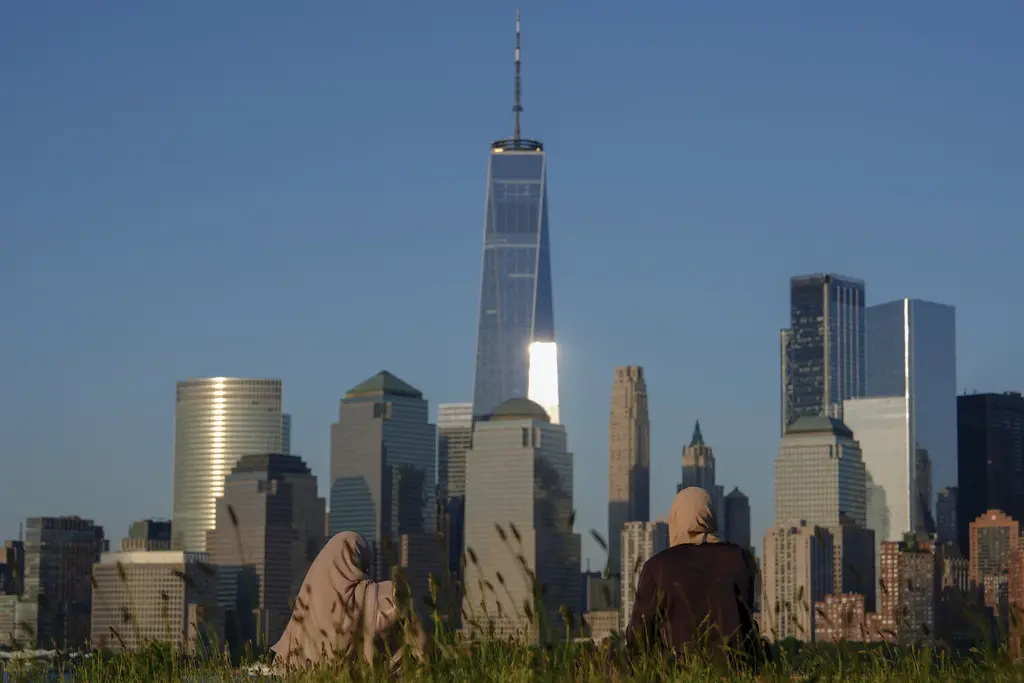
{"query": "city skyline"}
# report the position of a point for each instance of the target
(237, 224)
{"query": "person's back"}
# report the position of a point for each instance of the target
(699, 591)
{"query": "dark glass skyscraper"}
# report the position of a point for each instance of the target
(515, 290)
(823, 349)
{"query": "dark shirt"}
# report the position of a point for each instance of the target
(696, 595)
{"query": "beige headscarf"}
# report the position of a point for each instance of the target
(690, 520)
(338, 609)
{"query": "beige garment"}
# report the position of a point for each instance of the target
(690, 520)
(339, 612)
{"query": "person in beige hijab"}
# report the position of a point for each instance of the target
(690, 520)
(342, 615)
(698, 592)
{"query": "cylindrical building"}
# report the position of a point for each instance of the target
(217, 420)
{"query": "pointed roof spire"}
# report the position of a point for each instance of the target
(698, 438)
(517, 108)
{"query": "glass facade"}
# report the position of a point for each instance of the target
(516, 306)
(912, 354)
(383, 467)
(824, 346)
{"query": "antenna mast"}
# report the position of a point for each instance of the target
(518, 107)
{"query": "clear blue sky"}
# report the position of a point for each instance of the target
(296, 190)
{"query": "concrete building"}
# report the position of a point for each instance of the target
(990, 450)
(843, 617)
(737, 519)
(383, 458)
(269, 518)
(519, 485)
(823, 350)
(148, 534)
(286, 434)
(217, 420)
(12, 568)
(599, 625)
(59, 554)
(798, 572)
(598, 591)
(640, 542)
(909, 597)
(164, 596)
(629, 458)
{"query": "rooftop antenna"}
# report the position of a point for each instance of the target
(518, 107)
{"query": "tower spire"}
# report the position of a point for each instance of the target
(517, 107)
(698, 437)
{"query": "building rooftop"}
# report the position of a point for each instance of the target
(274, 464)
(520, 409)
(384, 383)
(698, 438)
(819, 425)
(736, 494)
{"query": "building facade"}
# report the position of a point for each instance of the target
(383, 452)
(163, 596)
(640, 542)
(737, 518)
(629, 458)
(516, 305)
(993, 538)
(990, 437)
(270, 519)
(823, 350)
(699, 471)
(945, 516)
(59, 554)
(797, 573)
(217, 420)
(519, 533)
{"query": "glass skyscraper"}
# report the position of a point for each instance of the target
(516, 307)
(823, 351)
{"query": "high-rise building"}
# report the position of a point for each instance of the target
(640, 542)
(823, 348)
(699, 471)
(945, 516)
(155, 596)
(516, 307)
(269, 518)
(993, 537)
(819, 474)
(906, 422)
(454, 439)
(383, 453)
(737, 518)
(797, 572)
(629, 458)
(519, 536)
(148, 534)
(819, 479)
(59, 554)
(12, 568)
(286, 434)
(990, 453)
(217, 420)
(908, 595)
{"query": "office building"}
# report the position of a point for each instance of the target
(640, 542)
(908, 599)
(629, 458)
(598, 591)
(990, 455)
(797, 573)
(286, 434)
(945, 516)
(59, 554)
(906, 422)
(516, 307)
(737, 518)
(383, 452)
(12, 568)
(454, 439)
(993, 537)
(217, 420)
(699, 471)
(519, 536)
(157, 596)
(271, 519)
(148, 534)
(823, 349)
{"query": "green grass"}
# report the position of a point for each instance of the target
(581, 662)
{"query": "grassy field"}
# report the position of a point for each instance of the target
(570, 662)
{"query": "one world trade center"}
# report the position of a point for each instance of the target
(516, 355)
